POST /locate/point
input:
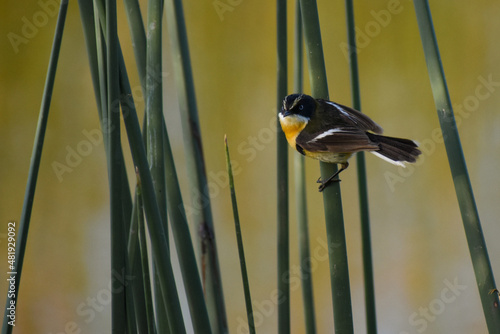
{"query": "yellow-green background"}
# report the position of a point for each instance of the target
(417, 233)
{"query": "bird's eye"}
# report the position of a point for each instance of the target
(301, 107)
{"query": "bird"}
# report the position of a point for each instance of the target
(331, 132)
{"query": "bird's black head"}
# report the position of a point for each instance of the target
(298, 104)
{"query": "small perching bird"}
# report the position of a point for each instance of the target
(331, 132)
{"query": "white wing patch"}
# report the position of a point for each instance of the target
(326, 134)
(345, 113)
(397, 163)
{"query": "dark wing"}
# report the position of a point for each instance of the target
(356, 118)
(337, 140)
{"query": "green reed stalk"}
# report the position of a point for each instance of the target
(96, 53)
(154, 106)
(93, 20)
(101, 71)
(144, 262)
(147, 74)
(202, 218)
(461, 180)
(154, 121)
(159, 244)
(337, 249)
(36, 155)
(184, 246)
(141, 291)
(282, 179)
(371, 317)
(300, 190)
(239, 240)
(138, 35)
(118, 234)
(176, 208)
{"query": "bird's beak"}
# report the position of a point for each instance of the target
(285, 113)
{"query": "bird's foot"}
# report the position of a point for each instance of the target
(324, 184)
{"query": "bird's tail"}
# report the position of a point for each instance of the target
(395, 150)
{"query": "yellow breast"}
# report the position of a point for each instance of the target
(292, 125)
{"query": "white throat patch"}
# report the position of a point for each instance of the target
(292, 120)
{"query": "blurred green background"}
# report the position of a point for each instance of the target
(423, 275)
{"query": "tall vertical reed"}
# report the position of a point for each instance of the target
(36, 156)
(300, 190)
(282, 177)
(458, 167)
(195, 163)
(337, 249)
(371, 317)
